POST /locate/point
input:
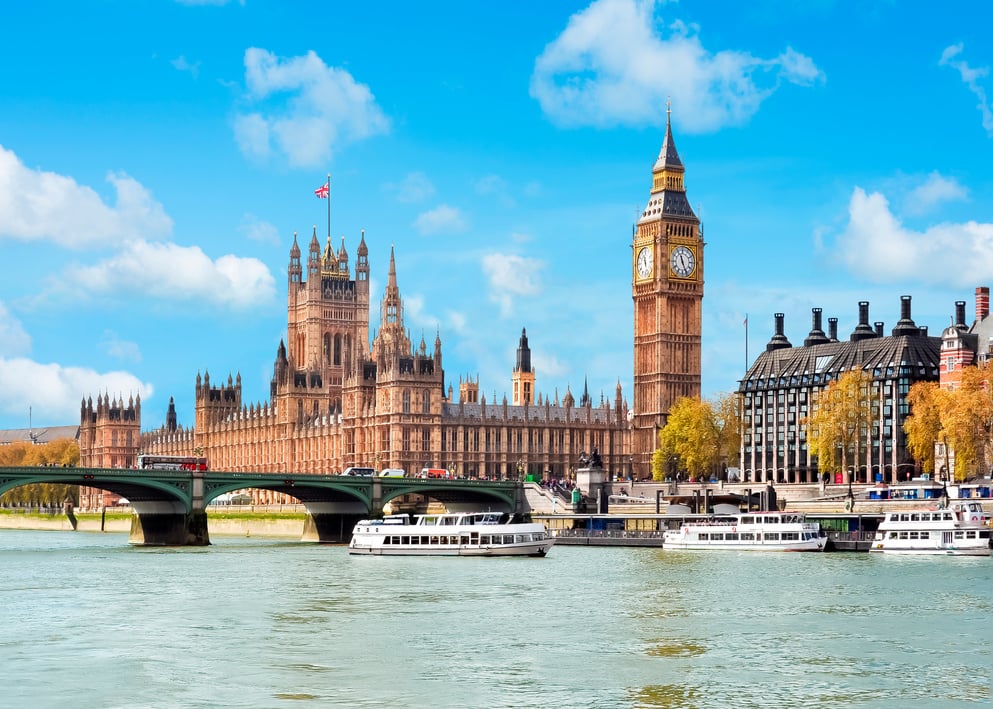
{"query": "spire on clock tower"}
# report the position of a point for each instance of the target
(667, 288)
(668, 196)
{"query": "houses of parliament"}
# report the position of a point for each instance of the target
(336, 400)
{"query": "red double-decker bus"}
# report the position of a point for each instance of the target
(171, 462)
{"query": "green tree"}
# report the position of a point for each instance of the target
(838, 427)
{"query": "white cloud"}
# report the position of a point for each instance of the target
(415, 187)
(610, 67)
(440, 220)
(117, 348)
(416, 318)
(971, 77)
(877, 246)
(13, 339)
(309, 109)
(54, 391)
(256, 229)
(511, 276)
(176, 273)
(181, 64)
(457, 321)
(494, 186)
(935, 190)
(37, 205)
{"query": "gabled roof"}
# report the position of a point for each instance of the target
(44, 434)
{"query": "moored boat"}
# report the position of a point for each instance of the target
(450, 534)
(748, 531)
(960, 529)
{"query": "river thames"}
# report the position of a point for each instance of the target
(90, 621)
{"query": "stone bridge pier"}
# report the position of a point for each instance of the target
(170, 522)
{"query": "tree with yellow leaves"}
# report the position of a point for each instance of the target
(924, 426)
(58, 453)
(838, 427)
(698, 436)
(968, 421)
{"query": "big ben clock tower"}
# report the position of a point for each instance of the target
(667, 288)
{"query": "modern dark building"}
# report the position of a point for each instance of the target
(780, 387)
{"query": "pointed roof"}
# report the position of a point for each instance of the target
(523, 353)
(668, 195)
(392, 279)
(668, 157)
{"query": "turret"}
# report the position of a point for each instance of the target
(295, 270)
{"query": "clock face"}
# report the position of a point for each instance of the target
(645, 262)
(683, 262)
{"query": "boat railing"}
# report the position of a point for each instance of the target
(609, 533)
(860, 535)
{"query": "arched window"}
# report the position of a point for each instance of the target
(406, 401)
(327, 348)
(426, 402)
(337, 349)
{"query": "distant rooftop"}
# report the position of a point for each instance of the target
(39, 435)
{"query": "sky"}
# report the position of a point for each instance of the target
(157, 157)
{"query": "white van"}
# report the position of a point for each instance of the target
(362, 472)
(393, 473)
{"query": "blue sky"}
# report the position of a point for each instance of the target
(157, 157)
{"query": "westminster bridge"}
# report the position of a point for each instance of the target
(170, 506)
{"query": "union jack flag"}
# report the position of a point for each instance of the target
(323, 191)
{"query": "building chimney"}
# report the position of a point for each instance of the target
(833, 329)
(960, 315)
(778, 340)
(863, 330)
(816, 336)
(906, 325)
(879, 328)
(982, 302)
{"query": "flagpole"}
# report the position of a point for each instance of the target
(328, 183)
(746, 342)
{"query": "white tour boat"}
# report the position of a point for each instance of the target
(961, 529)
(450, 534)
(747, 531)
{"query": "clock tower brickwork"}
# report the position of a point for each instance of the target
(667, 289)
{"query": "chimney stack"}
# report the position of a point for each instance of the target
(960, 315)
(816, 336)
(833, 329)
(778, 340)
(879, 328)
(863, 330)
(906, 326)
(982, 302)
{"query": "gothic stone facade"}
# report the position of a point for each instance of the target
(334, 404)
(335, 401)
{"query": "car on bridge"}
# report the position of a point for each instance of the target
(360, 472)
